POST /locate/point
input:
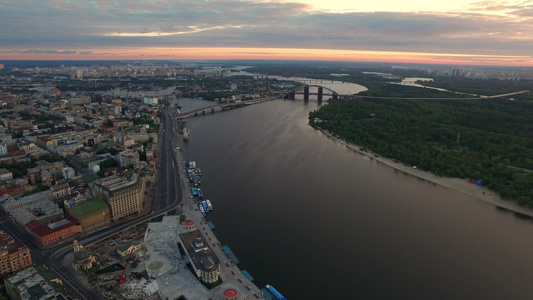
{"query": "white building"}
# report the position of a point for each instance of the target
(68, 173)
(3, 149)
(128, 157)
(5, 175)
(7, 203)
(150, 100)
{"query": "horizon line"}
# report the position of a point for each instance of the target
(270, 59)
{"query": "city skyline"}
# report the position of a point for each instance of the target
(455, 32)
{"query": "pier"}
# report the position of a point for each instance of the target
(247, 275)
(230, 254)
(211, 225)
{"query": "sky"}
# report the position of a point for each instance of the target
(407, 31)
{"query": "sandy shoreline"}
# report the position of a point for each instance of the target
(457, 184)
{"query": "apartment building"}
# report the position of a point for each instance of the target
(124, 194)
(13, 255)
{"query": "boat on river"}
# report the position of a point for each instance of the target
(209, 206)
(271, 293)
(200, 195)
(194, 191)
(201, 207)
(186, 134)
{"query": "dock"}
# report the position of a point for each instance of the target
(230, 254)
(247, 275)
(211, 225)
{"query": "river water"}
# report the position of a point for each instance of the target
(318, 221)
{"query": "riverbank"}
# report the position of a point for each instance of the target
(457, 184)
(230, 273)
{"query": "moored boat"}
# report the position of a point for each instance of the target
(185, 134)
(209, 206)
(200, 195)
(201, 207)
(194, 191)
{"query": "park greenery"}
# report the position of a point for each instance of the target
(489, 140)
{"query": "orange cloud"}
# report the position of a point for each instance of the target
(216, 53)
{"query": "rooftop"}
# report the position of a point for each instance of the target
(199, 251)
(31, 281)
(87, 208)
(230, 293)
(115, 183)
(44, 230)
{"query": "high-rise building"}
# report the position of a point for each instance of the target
(124, 194)
(13, 255)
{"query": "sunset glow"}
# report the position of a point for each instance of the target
(279, 54)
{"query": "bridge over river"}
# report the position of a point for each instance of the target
(223, 106)
(306, 91)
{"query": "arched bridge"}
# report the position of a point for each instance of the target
(320, 93)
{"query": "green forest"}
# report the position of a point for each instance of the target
(489, 140)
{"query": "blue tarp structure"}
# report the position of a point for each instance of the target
(247, 275)
(478, 181)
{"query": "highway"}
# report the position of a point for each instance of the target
(438, 99)
(168, 188)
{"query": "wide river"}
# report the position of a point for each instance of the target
(318, 221)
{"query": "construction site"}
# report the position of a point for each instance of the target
(150, 262)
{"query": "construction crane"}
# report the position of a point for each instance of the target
(122, 277)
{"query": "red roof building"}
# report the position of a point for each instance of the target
(48, 234)
(108, 128)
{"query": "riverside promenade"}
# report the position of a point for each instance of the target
(229, 271)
